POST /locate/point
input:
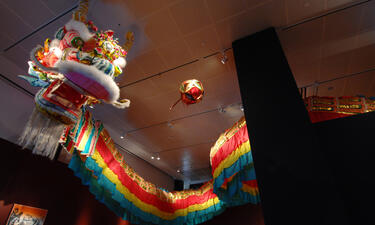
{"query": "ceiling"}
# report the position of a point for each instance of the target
(178, 40)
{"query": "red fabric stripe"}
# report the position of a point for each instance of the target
(251, 183)
(82, 131)
(141, 194)
(316, 117)
(228, 147)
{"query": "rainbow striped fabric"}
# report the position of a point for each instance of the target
(122, 190)
(82, 136)
(233, 173)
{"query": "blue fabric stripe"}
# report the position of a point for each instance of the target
(106, 192)
(233, 195)
(89, 140)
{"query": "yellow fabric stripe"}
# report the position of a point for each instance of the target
(251, 190)
(86, 135)
(142, 205)
(233, 157)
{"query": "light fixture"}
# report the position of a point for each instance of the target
(158, 158)
(221, 110)
(124, 135)
(178, 171)
(224, 57)
(152, 157)
(241, 108)
(91, 106)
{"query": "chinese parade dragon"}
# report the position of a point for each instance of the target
(74, 69)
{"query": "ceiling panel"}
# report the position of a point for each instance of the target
(252, 20)
(25, 13)
(332, 4)
(170, 81)
(143, 8)
(190, 15)
(368, 20)
(175, 53)
(254, 3)
(334, 66)
(360, 85)
(59, 6)
(131, 73)
(184, 155)
(13, 25)
(161, 28)
(307, 36)
(203, 42)
(302, 9)
(150, 63)
(5, 41)
(220, 9)
(362, 59)
(343, 24)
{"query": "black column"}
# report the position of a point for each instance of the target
(282, 137)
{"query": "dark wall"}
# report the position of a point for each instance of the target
(35, 181)
(307, 173)
(279, 129)
(347, 147)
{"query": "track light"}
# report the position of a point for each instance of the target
(123, 136)
(221, 110)
(158, 158)
(224, 57)
(178, 171)
(152, 157)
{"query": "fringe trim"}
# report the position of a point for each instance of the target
(41, 135)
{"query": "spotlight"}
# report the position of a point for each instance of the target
(221, 110)
(224, 58)
(122, 137)
(241, 108)
(91, 106)
(158, 158)
(178, 171)
(152, 157)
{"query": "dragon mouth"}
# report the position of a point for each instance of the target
(90, 79)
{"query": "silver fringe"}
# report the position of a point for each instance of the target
(41, 134)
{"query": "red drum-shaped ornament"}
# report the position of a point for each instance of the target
(191, 92)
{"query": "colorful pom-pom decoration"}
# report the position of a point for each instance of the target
(192, 92)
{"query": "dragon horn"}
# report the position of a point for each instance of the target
(129, 41)
(81, 12)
